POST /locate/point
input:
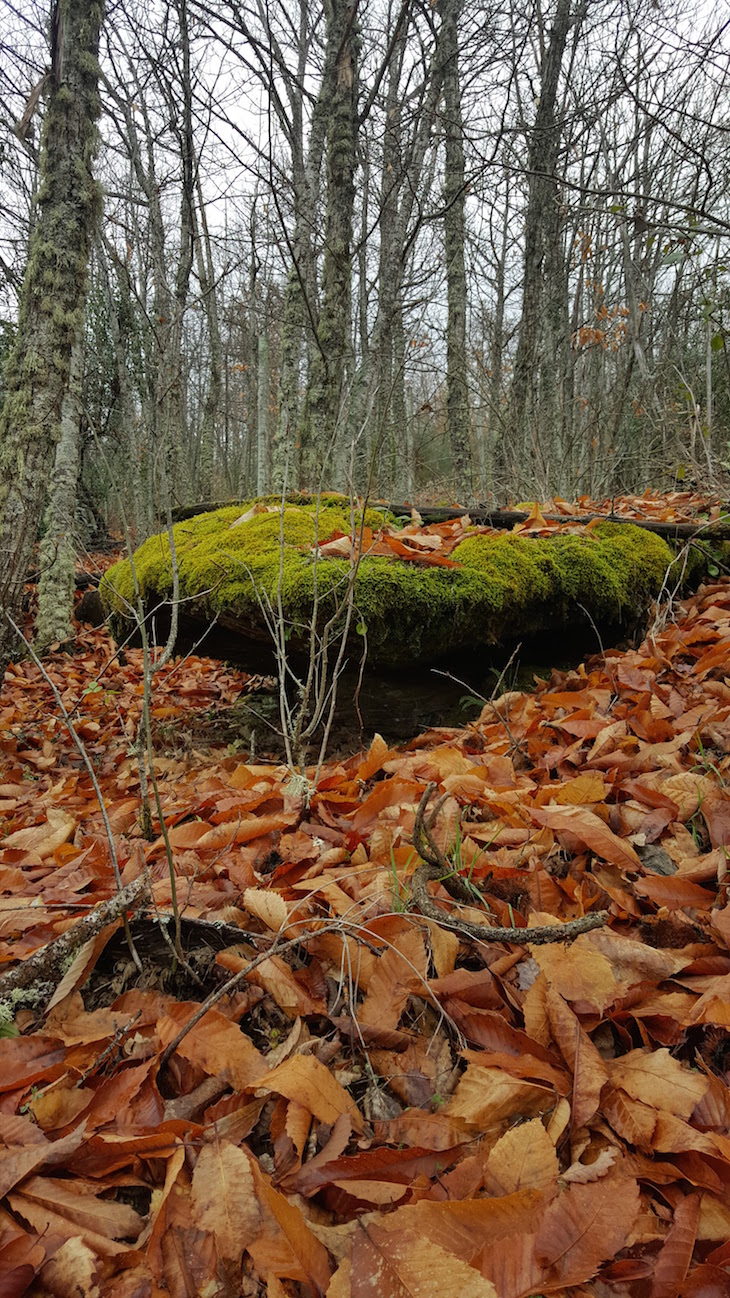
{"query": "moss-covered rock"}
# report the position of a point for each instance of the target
(505, 586)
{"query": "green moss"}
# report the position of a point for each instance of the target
(504, 587)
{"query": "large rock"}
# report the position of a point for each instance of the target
(504, 586)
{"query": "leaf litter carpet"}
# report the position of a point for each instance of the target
(383, 1107)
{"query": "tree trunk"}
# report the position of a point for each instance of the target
(52, 301)
(212, 404)
(540, 227)
(262, 417)
(57, 583)
(457, 390)
(326, 383)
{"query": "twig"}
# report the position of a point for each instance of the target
(235, 981)
(48, 963)
(437, 867)
(489, 703)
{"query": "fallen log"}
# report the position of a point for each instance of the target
(505, 519)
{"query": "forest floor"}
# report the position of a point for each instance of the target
(384, 1102)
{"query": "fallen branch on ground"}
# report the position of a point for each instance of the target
(436, 866)
(49, 964)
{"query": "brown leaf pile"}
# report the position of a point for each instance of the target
(383, 1108)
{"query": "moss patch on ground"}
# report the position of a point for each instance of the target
(505, 586)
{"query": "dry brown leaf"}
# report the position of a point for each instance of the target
(633, 1121)
(224, 1198)
(399, 973)
(215, 1044)
(485, 1097)
(403, 1264)
(267, 906)
(312, 1085)
(587, 788)
(584, 1227)
(310, 1254)
(72, 1271)
(578, 972)
(58, 828)
(583, 1173)
(591, 831)
(523, 1158)
(657, 1079)
(672, 1264)
(588, 1068)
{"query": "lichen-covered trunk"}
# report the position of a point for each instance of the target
(58, 552)
(323, 418)
(457, 390)
(52, 300)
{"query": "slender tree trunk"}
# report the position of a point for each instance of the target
(212, 403)
(172, 394)
(52, 302)
(262, 417)
(457, 390)
(540, 220)
(301, 299)
(326, 383)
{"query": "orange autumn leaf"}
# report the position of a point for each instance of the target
(45, 838)
(523, 1158)
(590, 1074)
(672, 1264)
(304, 1079)
(224, 1198)
(583, 1227)
(403, 1264)
(590, 830)
(399, 973)
(655, 1078)
(215, 1045)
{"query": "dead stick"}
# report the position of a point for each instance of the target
(49, 963)
(436, 866)
(539, 935)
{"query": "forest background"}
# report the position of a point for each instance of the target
(448, 249)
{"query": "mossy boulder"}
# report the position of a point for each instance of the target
(504, 587)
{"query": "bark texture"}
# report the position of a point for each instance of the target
(543, 245)
(323, 421)
(52, 300)
(457, 391)
(57, 583)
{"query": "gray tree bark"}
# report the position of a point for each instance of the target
(52, 301)
(57, 583)
(322, 418)
(457, 389)
(541, 230)
(262, 416)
